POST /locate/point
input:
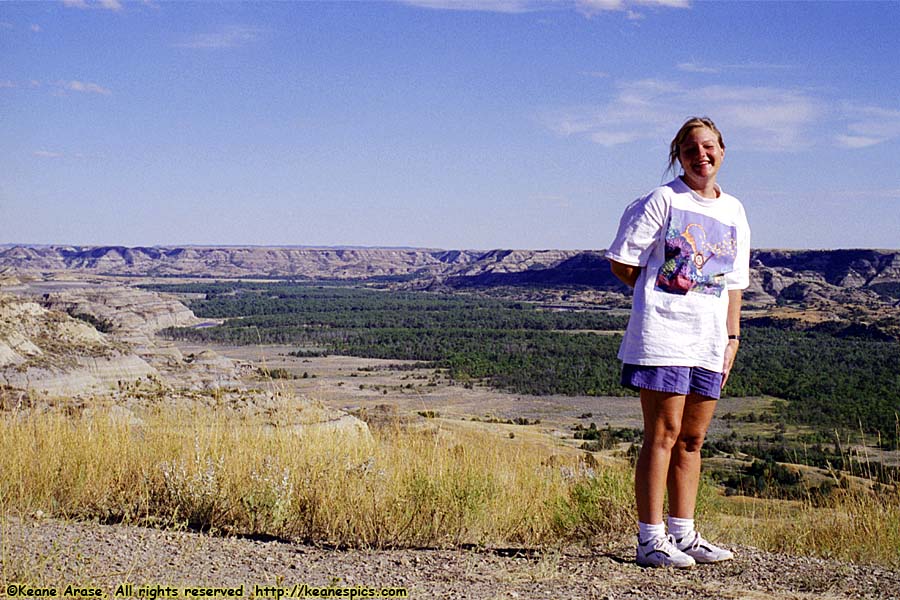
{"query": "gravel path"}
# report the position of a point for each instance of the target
(49, 552)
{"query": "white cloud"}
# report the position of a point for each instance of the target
(753, 117)
(856, 141)
(115, 5)
(689, 67)
(651, 109)
(769, 118)
(665, 3)
(60, 87)
(36, 28)
(868, 126)
(588, 8)
(501, 6)
(694, 67)
(47, 154)
(83, 87)
(230, 36)
(8, 84)
(614, 138)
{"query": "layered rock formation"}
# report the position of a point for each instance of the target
(785, 276)
(844, 276)
(588, 269)
(316, 263)
(96, 338)
(50, 353)
(133, 315)
(51, 349)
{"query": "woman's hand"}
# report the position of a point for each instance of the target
(730, 352)
(627, 274)
(733, 325)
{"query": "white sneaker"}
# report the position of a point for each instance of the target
(702, 551)
(661, 551)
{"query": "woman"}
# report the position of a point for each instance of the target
(685, 249)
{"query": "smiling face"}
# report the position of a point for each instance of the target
(700, 154)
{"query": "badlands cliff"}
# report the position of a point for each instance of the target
(52, 352)
(789, 275)
(831, 280)
(47, 352)
(88, 339)
(233, 261)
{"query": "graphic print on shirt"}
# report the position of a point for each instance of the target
(699, 252)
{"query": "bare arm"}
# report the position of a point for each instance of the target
(733, 324)
(627, 274)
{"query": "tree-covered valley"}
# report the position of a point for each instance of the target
(845, 378)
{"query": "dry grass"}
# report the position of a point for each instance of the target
(240, 476)
(861, 526)
(394, 489)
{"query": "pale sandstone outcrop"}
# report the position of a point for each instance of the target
(134, 315)
(341, 424)
(514, 261)
(87, 375)
(48, 356)
(50, 353)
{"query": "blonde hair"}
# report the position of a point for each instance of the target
(692, 123)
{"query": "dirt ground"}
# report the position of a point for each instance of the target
(57, 554)
(351, 383)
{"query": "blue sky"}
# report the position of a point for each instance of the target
(469, 124)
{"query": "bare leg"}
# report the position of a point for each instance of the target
(684, 468)
(662, 425)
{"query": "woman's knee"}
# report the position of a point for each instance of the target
(690, 442)
(664, 437)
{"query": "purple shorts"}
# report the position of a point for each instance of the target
(675, 380)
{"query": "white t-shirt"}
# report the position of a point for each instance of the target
(692, 250)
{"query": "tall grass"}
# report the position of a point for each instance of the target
(237, 475)
(855, 526)
(855, 523)
(240, 476)
(858, 521)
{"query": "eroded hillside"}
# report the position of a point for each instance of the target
(856, 290)
(91, 345)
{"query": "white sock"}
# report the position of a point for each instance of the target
(680, 528)
(648, 531)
